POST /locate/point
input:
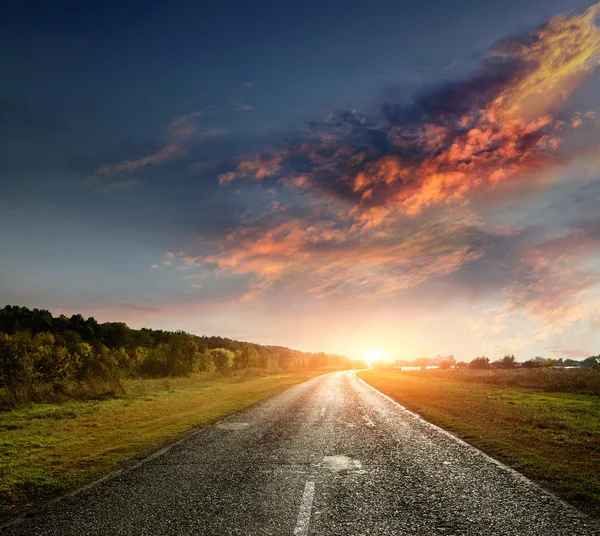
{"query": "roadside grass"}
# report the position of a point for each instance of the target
(579, 380)
(98, 388)
(551, 437)
(50, 449)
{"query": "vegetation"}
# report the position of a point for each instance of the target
(544, 422)
(50, 449)
(553, 380)
(481, 363)
(46, 358)
(80, 398)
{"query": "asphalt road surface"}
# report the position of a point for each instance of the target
(331, 456)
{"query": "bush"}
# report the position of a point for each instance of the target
(580, 380)
(38, 348)
(223, 359)
(480, 363)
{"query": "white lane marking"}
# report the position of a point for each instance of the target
(342, 463)
(323, 410)
(305, 509)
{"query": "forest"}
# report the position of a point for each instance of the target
(38, 347)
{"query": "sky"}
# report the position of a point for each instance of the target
(390, 178)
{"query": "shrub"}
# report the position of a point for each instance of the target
(223, 359)
(480, 363)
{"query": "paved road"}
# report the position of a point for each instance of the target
(331, 456)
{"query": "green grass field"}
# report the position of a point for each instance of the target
(50, 449)
(551, 437)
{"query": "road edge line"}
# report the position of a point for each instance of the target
(519, 476)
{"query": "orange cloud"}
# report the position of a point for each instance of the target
(563, 52)
(369, 198)
(326, 260)
(452, 143)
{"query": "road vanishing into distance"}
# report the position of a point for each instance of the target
(331, 456)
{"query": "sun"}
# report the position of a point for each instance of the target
(370, 355)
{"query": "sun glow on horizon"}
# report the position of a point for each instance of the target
(370, 355)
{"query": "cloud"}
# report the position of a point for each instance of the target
(552, 275)
(167, 260)
(241, 106)
(324, 259)
(194, 287)
(451, 142)
(388, 202)
(213, 131)
(180, 134)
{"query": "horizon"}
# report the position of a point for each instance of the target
(385, 180)
(371, 357)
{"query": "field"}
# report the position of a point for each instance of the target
(50, 449)
(544, 423)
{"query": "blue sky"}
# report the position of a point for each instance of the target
(175, 135)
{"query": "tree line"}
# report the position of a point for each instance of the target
(507, 362)
(38, 347)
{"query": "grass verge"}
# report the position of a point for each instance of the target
(551, 437)
(50, 449)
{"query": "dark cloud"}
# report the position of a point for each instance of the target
(450, 142)
(364, 201)
(453, 99)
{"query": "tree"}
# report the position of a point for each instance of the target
(507, 362)
(52, 362)
(223, 359)
(318, 360)
(266, 362)
(207, 363)
(70, 339)
(86, 360)
(35, 346)
(252, 357)
(60, 324)
(480, 363)
(16, 361)
(116, 335)
(155, 364)
(592, 361)
(190, 355)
